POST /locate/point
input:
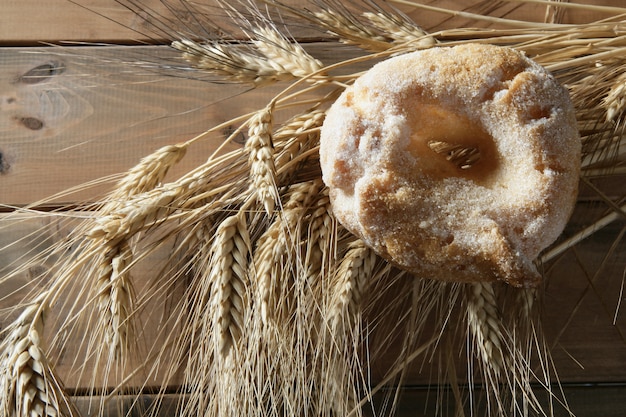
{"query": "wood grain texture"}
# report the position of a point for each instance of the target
(31, 22)
(592, 400)
(582, 320)
(86, 116)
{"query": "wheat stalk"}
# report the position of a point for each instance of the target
(28, 386)
(260, 152)
(274, 256)
(271, 58)
(115, 294)
(229, 268)
(134, 214)
(400, 30)
(288, 55)
(148, 173)
(350, 285)
(485, 326)
(615, 100)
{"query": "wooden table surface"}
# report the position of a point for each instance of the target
(93, 111)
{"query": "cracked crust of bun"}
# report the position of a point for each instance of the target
(388, 148)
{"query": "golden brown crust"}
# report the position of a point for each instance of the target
(454, 163)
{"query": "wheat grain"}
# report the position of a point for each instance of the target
(485, 326)
(260, 152)
(28, 386)
(229, 269)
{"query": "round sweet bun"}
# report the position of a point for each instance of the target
(454, 163)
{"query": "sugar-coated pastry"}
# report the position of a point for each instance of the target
(454, 163)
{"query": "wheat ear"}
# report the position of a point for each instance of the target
(615, 100)
(350, 285)
(293, 139)
(400, 30)
(320, 239)
(260, 152)
(148, 173)
(288, 55)
(274, 254)
(133, 215)
(349, 29)
(270, 58)
(115, 298)
(229, 268)
(28, 385)
(485, 325)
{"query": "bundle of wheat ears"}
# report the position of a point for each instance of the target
(272, 307)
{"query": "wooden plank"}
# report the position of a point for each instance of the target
(31, 21)
(591, 400)
(582, 318)
(26, 236)
(93, 115)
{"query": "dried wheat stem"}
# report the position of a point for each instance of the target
(260, 152)
(350, 285)
(28, 386)
(583, 234)
(485, 325)
(229, 269)
(115, 298)
(476, 16)
(289, 55)
(579, 6)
